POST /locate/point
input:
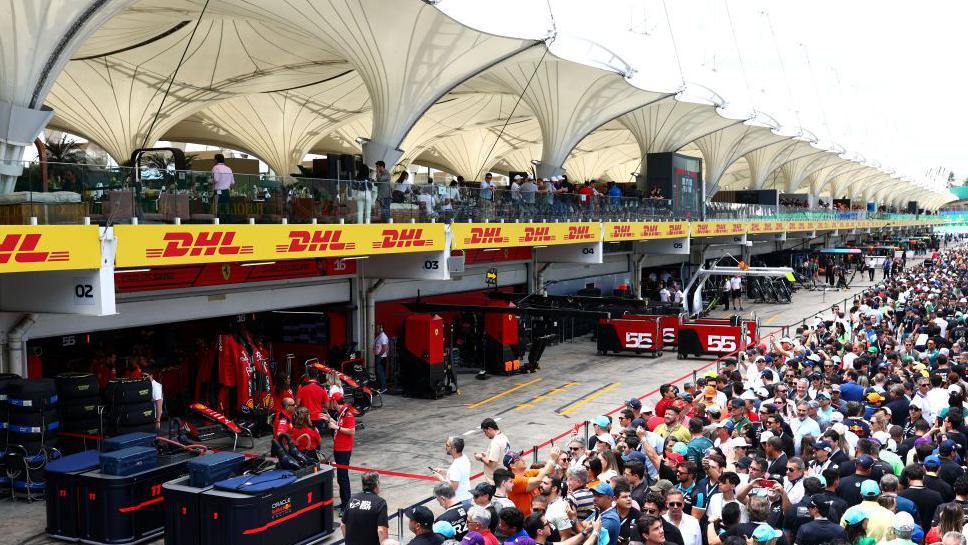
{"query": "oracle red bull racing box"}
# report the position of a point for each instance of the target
(639, 334)
(276, 507)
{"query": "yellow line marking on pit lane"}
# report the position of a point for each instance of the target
(538, 399)
(502, 394)
(582, 402)
(771, 319)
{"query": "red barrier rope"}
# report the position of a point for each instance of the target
(81, 435)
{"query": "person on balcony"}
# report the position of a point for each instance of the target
(222, 181)
(362, 194)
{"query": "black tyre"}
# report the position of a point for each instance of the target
(134, 414)
(79, 409)
(76, 385)
(30, 442)
(123, 391)
(31, 395)
(5, 380)
(39, 419)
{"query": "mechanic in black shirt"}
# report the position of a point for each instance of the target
(364, 521)
(421, 524)
(849, 487)
(950, 470)
(931, 464)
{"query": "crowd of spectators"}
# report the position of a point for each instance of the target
(850, 431)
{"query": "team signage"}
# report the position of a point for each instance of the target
(146, 245)
(502, 235)
(26, 248)
(644, 230)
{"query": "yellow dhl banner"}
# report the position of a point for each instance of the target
(502, 235)
(767, 227)
(718, 228)
(616, 231)
(146, 245)
(26, 248)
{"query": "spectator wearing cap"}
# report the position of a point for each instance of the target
(855, 524)
(850, 486)
(931, 480)
(687, 525)
(766, 535)
(421, 526)
(821, 529)
(878, 518)
(604, 497)
(925, 499)
(483, 495)
(672, 427)
(445, 530)
(738, 414)
(480, 522)
(635, 405)
(902, 528)
(601, 426)
(950, 469)
(526, 481)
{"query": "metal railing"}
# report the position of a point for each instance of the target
(69, 193)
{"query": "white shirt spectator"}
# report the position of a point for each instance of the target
(689, 528)
(736, 283)
(715, 508)
(664, 295)
(460, 471)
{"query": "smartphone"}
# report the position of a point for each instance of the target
(767, 483)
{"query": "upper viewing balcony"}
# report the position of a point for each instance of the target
(61, 193)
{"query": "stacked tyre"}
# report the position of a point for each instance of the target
(5, 379)
(129, 407)
(79, 406)
(32, 428)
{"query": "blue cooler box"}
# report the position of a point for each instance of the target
(64, 493)
(129, 509)
(128, 461)
(137, 439)
(206, 470)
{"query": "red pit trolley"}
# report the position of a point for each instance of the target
(637, 334)
(714, 336)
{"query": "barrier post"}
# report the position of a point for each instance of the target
(534, 454)
(586, 432)
(694, 376)
(400, 515)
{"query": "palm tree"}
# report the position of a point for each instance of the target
(65, 150)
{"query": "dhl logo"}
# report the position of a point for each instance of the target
(402, 238)
(537, 234)
(650, 230)
(22, 249)
(580, 232)
(188, 244)
(677, 229)
(737, 227)
(756, 226)
(622, 231)
(486, 235)
(702, 228)
(320, 240)
(722, 228)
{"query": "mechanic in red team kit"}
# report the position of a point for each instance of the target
(314, 397)
(344, 432)
(283, 420)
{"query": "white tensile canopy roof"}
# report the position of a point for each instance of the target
(396, 80)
